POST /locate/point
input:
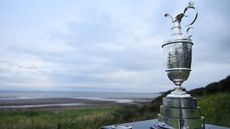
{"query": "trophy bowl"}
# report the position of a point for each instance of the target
(178, 56)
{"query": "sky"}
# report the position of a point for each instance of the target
(106, 45)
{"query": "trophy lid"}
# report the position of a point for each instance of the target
(176, 26)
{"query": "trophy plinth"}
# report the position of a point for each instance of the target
(179, 109)
(180, 113)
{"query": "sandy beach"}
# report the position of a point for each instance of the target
(63, 103)
(51, 103)
(62, 100)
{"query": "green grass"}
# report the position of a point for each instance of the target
(86, 118)
(216, 108)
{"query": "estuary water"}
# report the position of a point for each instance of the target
(14, 95)
(26, 99)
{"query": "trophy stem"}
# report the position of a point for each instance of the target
(178, 92)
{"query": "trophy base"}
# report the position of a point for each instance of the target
(180, 113)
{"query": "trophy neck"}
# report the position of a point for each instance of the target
(176, 31)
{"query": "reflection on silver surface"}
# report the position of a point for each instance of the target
(178, 52)
(178, 60)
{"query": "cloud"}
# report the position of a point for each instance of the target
(105, 45)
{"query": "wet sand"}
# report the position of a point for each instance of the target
(62, 103)
(50, 103)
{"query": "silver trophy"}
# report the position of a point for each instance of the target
(179, 109)
(178, 53)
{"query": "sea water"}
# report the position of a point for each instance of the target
(14, 95)
(117, 97)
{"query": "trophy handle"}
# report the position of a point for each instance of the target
(190, 6)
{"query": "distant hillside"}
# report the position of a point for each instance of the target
(215, 87)
(212, 88)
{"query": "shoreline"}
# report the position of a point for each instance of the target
(65, 103)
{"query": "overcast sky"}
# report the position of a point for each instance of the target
(106, 45)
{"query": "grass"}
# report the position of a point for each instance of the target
(85, 118)
(215, 108)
